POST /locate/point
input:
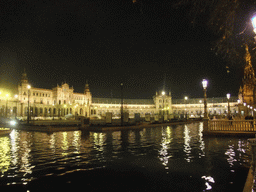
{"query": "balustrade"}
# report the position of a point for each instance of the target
(232, 125)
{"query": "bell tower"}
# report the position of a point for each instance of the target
(248, 89)
(88, 98)
(24, 78)
(86, 88)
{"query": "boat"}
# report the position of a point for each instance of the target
(5, 131)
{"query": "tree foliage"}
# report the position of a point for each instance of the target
(230, 20)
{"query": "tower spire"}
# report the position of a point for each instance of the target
(24, 78)
(86, 88)
(248, 69)
(248, 90)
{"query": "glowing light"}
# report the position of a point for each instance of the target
(29, 86)
(254, 24)
(204, 83)
(163, 93)
(12, 122)
(228, 95)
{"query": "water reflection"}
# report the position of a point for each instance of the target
(231, 155)
(187, 148)
(201, 141)
(5, 159)
(208, 181)
(166, 140)
(64, 144)
(171, 149)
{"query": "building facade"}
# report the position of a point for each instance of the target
(63, 100)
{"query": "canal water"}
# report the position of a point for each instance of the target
(166, 158)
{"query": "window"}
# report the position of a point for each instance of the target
(64, 101)
(59, 102)
(41, 101)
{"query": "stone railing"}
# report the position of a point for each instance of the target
(232, 125)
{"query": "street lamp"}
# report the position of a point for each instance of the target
(16, 97)
(204, 83)
(29, 87)
(186, 98)
(228, 97)
(163, 94)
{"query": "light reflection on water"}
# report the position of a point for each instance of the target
(179, 149)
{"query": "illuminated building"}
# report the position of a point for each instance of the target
(62, 100)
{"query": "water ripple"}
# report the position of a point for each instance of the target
(26, 156)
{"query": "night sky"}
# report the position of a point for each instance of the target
(109, 42)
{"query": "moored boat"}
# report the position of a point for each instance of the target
(5, 131)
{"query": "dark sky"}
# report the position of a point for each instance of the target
(109, 42)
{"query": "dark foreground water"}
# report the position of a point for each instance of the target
(170, 158)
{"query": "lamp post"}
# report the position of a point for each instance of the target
(204, 83)
(6, 105)
(28, 103)
(163, 96)
(186, 98)
(228, 97)
(200, 101)
(16, 97)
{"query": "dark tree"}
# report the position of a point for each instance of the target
(230, 20)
